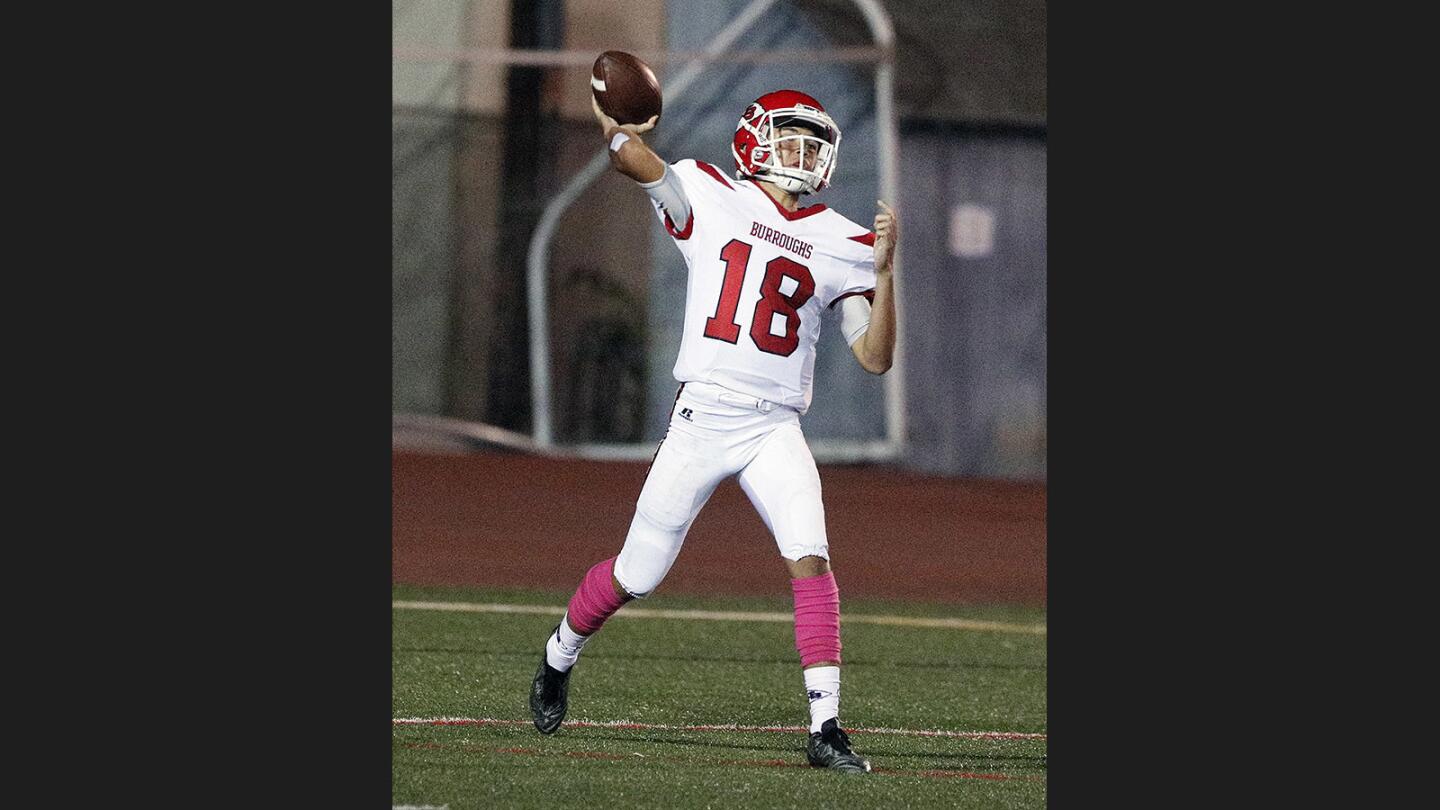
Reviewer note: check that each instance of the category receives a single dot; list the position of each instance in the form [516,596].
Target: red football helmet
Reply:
[757,137]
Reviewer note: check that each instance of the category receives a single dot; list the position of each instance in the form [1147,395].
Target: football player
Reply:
[762,268]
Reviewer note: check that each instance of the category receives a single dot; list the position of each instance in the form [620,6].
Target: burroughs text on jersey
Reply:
[784,240]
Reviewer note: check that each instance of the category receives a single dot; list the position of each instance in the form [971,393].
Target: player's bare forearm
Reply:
[633,158]
[636,160]
[876,348]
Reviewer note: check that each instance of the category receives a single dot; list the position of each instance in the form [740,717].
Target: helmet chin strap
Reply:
[794,185]
[781,185]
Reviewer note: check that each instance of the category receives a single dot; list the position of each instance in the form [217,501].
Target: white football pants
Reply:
[716,433]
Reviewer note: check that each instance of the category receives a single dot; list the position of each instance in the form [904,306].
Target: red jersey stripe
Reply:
[715,173]
[683,233]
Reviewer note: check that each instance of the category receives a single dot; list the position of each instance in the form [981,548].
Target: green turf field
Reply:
[662,675]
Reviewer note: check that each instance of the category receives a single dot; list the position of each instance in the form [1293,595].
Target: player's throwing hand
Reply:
[887,234]
[607,123]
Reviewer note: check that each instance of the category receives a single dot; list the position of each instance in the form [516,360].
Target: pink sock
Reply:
[595,600]
[817,618]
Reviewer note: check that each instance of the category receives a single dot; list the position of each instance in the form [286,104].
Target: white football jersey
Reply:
[759,278]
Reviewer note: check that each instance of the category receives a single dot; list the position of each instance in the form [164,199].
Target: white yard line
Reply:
[488,721]
[729,616]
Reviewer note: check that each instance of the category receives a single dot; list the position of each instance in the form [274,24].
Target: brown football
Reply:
[625,87]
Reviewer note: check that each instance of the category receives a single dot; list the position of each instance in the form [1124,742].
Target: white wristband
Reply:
[619,139]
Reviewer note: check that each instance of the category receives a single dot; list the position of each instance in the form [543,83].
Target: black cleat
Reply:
[830,748]
[549,696]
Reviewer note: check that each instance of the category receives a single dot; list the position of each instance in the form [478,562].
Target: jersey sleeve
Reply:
[860,276]
[679,231]
[672,204]
[700,190]
[854,317]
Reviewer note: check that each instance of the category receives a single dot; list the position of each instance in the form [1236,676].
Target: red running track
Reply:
[514,520]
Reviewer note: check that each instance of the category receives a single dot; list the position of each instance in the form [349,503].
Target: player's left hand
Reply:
[887,234]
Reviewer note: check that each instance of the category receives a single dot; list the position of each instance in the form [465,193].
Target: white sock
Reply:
[563,648]
[822,685]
